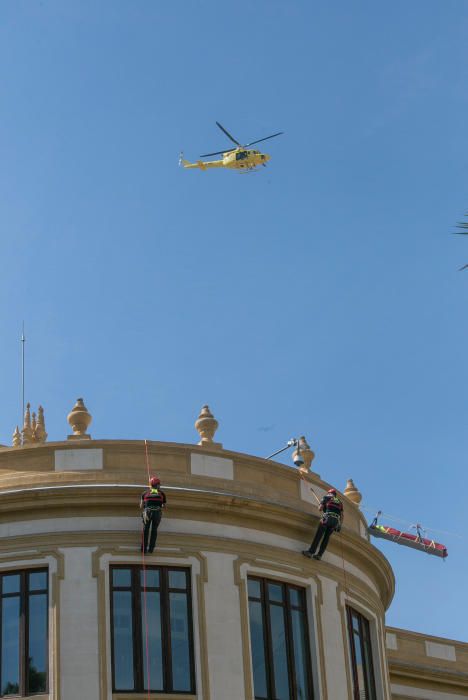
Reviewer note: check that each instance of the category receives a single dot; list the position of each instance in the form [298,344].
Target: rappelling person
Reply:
[152,501]
[332,508]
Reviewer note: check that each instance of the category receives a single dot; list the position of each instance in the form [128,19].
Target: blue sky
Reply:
[320,296]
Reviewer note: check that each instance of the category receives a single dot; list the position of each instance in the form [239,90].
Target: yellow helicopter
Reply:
[239,158]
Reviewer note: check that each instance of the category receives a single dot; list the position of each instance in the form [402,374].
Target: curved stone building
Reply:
[226,608]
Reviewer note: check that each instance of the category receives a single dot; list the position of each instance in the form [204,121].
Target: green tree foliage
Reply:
[36,680]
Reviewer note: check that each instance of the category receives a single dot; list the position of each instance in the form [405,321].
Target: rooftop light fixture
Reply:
[293,442]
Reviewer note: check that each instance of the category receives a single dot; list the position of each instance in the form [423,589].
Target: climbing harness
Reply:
[338,532]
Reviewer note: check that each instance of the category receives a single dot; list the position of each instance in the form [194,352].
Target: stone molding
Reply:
[209,506]
[411,665]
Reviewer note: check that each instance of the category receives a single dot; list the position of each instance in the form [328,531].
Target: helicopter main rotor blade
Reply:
[463,225]
[228,134]
[265,139]
[217,153]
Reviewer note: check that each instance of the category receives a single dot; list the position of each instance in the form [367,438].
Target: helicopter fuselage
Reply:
[238,159]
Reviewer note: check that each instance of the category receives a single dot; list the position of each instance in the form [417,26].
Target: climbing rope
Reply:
[148,674]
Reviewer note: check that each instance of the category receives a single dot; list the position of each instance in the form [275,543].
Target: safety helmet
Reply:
[333,491]
[155,481]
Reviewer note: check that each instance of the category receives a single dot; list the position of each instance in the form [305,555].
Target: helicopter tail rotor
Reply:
[185,163]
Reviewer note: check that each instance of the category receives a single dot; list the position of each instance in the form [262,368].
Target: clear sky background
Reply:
[320,296]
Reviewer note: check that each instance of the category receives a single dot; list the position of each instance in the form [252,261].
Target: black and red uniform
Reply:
[330,522]
[152,502]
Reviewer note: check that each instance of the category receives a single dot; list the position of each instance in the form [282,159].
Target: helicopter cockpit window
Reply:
[241,155]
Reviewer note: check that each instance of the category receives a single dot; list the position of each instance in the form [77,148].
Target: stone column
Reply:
[79,650]
[223,626]
[334,641]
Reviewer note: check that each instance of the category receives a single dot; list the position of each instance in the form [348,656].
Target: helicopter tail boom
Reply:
[202,165]
[186,164]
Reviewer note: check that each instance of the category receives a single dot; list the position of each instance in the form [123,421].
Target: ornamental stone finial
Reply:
[207,425]
[17,438]
[33,427]
[352,492]
[27,430]
[41,434]
[79,418]
[303,450]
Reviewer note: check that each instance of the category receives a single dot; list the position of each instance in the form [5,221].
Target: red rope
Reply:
[148,675]
[147,460]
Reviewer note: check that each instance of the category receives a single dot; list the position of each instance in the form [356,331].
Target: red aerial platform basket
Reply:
[408,540]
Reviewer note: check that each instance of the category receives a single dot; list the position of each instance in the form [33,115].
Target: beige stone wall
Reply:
[76,505]
[261,492]
[426,667]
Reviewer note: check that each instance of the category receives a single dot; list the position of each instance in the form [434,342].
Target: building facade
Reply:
[226,608]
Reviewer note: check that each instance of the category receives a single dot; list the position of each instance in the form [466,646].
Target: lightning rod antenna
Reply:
[23,340]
